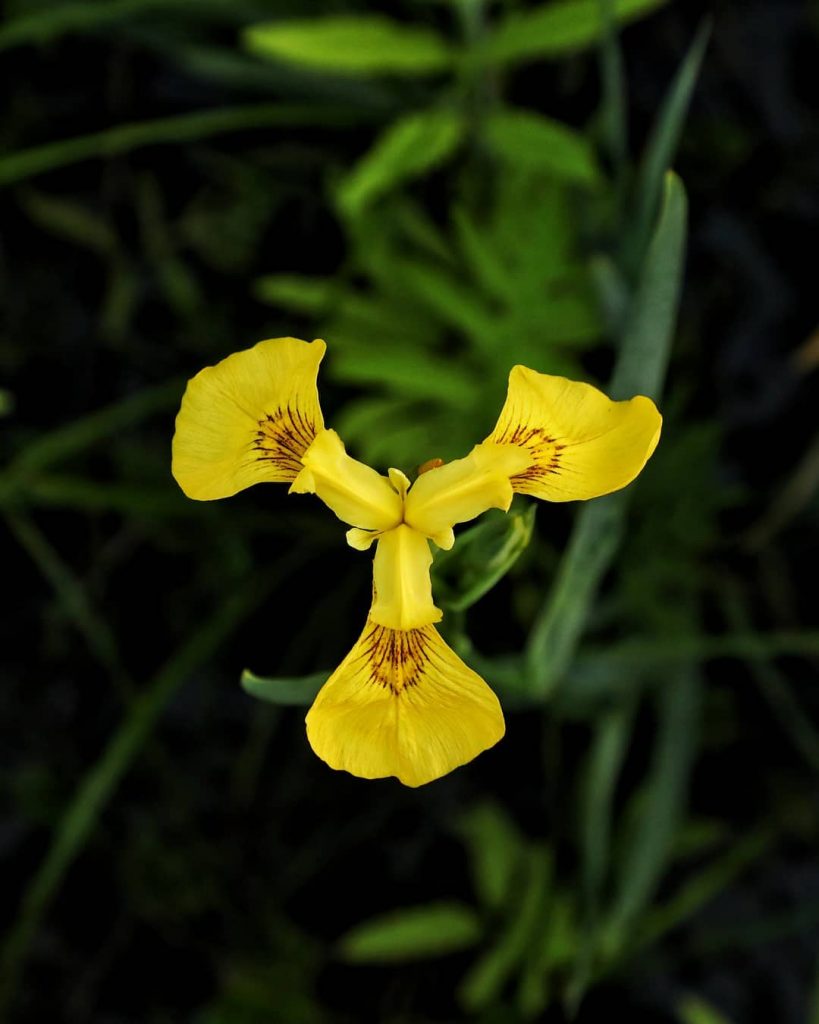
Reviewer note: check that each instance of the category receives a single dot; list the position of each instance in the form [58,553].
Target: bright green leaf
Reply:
[351,44]
[409,148]
[640,369]
[412,934]
[665,136]
[558,28]
[529,140]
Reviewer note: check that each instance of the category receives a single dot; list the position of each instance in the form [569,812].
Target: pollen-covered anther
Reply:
[425,467]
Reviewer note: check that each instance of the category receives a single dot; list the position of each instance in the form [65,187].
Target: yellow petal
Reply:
[403,592]
[402,703]
[248,419]
[357,494]
[458,491]
[578,443]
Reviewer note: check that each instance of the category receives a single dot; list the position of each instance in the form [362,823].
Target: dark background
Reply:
[211,864]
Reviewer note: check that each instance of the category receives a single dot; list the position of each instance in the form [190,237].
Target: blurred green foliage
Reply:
[465,232]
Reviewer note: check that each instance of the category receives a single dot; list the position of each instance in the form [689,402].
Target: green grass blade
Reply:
[606,756]
[182,128]
[652,841]
[613,108]
[55,20]
[665,137]
[80,434]
[490,972]
[72,598]
[640,369]
[99,784]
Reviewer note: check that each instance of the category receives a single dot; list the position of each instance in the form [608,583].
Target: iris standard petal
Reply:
[402,703]
[356,493]
[403,591]
[578,442]
[248,419]
[459,491]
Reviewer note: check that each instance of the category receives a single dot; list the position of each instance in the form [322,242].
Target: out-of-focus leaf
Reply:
[454,302]
[640,369]
[411,374]
[7,402]
[54,20]
[496,850]
[69,220]
[527,139]
[605,760]
[27,163]
[718,874]
[295,691]
[693,1010]
[557,28]
[408,149]
[310,295]
[552,949]
[489,973]
[665,136]
[351,44]
[650,844]
[483,258]
[74,437]
[412,934]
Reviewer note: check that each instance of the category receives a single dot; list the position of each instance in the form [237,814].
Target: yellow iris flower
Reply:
[402,702]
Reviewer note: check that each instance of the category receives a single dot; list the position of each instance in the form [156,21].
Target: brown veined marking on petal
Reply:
[283,437]
[545,450]
[394,658]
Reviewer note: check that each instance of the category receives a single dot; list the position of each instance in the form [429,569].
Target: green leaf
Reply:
[496,851]
[693,1010]
[408,149]
[351,44]
[70,220]
[605,761]
[54,20]
[410,373]
[295,691]
[416,933]
[557,28]
[487,976]
[665,136]
[310,295]
[640,369]
[660,817]
[529,140]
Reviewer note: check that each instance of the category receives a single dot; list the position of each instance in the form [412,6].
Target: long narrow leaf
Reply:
[640,369]
[665,135]
[201,124]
